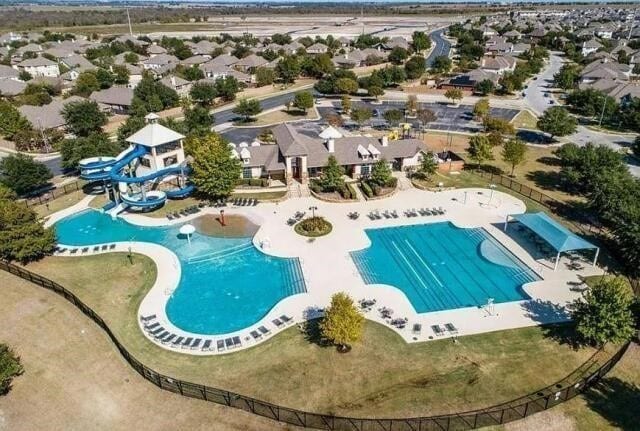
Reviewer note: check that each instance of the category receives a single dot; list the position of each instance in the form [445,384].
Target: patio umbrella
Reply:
[188,230]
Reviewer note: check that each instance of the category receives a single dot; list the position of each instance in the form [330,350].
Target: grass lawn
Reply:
[283,116]
[525,120]
[60,203]
[382,376]
[539,170]
[263,196]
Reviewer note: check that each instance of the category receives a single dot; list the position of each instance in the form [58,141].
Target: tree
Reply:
[342,323]
[227,87]
[86,83]
[265,76]
[11,121]
[288,69]
[131,58]
[360,115]
[481,109]
[567,77]
[635,147]
[104,77]
[393,116]
[428,166]
[197,120]
[454,94]
[154,95]
[381,173]
[203,93]
[375,91]
[604,314]
[415,67]
[480,149]
[193,73]
[94,145]
[128,128]
[426,116]
[557,122]
[411,104]
[22,174]
[331,178]
[420,41]
[22,236]
[83,117]
[441,64]
[514,152]
[345,102]
[484,87]
[120,74]
[398,55]
[303,100]
[500,125]
[345,86]
[247,108]
[215,170]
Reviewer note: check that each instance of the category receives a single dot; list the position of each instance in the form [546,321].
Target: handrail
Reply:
[516,409]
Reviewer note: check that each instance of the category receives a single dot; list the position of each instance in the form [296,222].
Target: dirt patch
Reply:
[235,226]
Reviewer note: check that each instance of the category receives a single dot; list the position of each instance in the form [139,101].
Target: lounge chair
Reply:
[96,248]
[156,331]
[228,342]
[220,345]
[236,341]
[206,346]
[450,327]
[112,247]
[186,343]
[442,210]
[437,329]
[147,318]
[74,250]
[169,216]
[176,215]
[84,250]
[263,330]
[105,247]
[196,343]
[255,202]
[169,338]
[278,323]
[417,328]
[163,334]
[255,335]
[152,326]
[286,319]
[178,341]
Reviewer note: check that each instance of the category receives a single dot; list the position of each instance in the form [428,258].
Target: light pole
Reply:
[313,211]
[604,105]
[492,187]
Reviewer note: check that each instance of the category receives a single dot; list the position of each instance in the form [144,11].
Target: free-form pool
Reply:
[226,284]
[441,267]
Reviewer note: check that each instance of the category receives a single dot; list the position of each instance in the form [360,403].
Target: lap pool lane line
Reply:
[427,295]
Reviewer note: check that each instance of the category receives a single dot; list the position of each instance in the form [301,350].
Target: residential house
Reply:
[590,46]
[39,66]
[181,86]
[225,60]
[7,72]
[116,100]
[155,49]
[498,65]
[317,48]
[160,63]
[604,69]
[469,80]
[11,87]
[250,63]
[48,116]
[195,60]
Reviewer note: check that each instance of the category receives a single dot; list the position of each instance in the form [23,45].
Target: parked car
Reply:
[551,102]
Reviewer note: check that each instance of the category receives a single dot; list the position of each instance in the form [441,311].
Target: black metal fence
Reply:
[53,193]
[577,382]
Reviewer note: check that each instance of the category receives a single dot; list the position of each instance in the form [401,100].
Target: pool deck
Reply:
[328,267]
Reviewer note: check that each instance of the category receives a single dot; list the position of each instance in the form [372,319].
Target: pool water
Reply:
[441,267]
[226,283]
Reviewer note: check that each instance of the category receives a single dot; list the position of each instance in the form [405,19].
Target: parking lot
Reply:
[450,118]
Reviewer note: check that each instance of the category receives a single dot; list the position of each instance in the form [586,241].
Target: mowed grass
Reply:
[382,376]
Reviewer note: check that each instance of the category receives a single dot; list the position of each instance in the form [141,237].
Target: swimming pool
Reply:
[226,283]
[439,266]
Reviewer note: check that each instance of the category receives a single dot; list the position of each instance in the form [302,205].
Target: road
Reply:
[54,162]
[442,46]
[536,101]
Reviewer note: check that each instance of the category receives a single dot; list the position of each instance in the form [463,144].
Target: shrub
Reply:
[366,189]
[377,190]
[9,368]
[313,226]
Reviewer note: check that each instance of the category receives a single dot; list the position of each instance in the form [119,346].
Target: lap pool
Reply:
[226,283]
[441,267]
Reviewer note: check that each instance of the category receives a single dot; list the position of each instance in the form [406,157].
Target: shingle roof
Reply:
[120,96]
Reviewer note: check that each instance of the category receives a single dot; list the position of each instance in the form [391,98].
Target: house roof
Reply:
[11,87]
[8,72]
[120,96]
[38,61]
[252,60]
[47,116]
[154,134]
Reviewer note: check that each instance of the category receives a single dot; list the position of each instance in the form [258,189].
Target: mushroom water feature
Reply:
[188,230]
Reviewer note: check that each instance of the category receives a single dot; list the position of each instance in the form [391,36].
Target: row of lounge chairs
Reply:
[448,328]
[193,209]
[245,202]
[85,250]
[353,215]
[155,330]
[424,212]
[377,215]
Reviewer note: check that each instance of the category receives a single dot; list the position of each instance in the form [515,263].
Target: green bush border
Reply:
[299,231]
